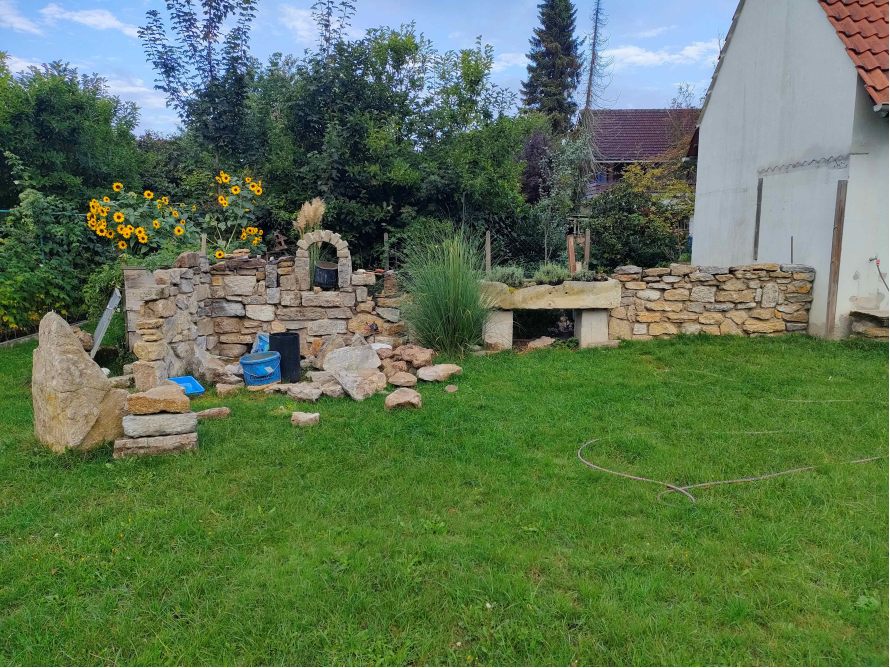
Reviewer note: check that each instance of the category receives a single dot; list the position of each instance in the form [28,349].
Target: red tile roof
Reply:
[863,27]
[630,135]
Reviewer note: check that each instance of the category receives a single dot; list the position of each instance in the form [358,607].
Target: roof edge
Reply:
[729,34]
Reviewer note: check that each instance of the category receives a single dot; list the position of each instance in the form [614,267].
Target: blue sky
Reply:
[655,43]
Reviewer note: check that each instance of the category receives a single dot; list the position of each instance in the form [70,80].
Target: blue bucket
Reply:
[261,368]
[261,344]
[190,385]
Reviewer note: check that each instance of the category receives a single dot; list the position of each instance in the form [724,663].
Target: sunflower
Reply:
[223,201]
[148,194]
[156,224]
[247,179]
[121,229]
[253,186]
[143,239]
[258,191]
[175,214]
[225,177]
[219,255]
[117,187]
[243,235]
[165,199]
[218,180]
[140,231]
[106,199]
[126,233]
[118,217]
[178,231]
[194,207]
[160,206]
[246,210]
[122,245]
[92,224]
[130,228]
[235,190]
[255,241]
[260,233]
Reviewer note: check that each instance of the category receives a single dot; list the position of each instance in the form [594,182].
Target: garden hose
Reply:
[683,488]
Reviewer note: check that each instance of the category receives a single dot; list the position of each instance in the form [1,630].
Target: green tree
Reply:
[69,137]
[555,70]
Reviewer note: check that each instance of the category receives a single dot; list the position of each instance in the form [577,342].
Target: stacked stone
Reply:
[763,299]
[160,422]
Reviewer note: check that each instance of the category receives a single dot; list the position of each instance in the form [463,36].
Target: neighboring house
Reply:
[623,137]
[792,143]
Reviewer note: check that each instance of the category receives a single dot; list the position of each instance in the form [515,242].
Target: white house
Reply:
[792,149]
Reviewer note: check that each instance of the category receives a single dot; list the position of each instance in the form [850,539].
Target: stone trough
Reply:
[590,302]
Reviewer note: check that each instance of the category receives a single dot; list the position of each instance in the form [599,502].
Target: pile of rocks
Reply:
[160,422]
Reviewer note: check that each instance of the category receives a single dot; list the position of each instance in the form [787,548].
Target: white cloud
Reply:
[655,32]
[16,65]
[299,22]
[506,60]
[11,18]
[99,19]
[697,53]
[134,89]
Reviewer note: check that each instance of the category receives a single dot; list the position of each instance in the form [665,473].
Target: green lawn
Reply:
[468,532]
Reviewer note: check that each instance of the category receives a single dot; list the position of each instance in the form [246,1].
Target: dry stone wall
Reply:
[749,300]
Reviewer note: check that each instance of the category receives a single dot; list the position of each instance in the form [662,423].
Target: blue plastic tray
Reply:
[191,385]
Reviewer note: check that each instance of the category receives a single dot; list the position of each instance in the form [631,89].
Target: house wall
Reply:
[782,109]
[866,220]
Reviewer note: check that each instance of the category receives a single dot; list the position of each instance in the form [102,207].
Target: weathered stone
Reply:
[392,367]
[628,269]
[85,338]
[351,359]
[225,390]
[321,299]
[682,269]
[150,351]
[684,316]
[801,327]
[541,342]
[645,316]
[568,295]
[296,313]
[797,316]
[797,268]
[75,405]
[377,378]
[236,338]
[416,355]
[438,372]
[669,279]
[218,413]
[657,271]
[187,259]
[790,308]
[160,424]
[649,295]
[326,347]
[690,328]
[735,295]
[388,302]
[366,278]
[719,307]
[798,297]
[663,306]
[763,326]
[403,379]
[695,307]
[702,293]
[391,314]
[261,312]
[357,387]
[635,285]
[619,329]
[763,266]
[304,392]
[658,328]
[738,317]
[341,312]
[746,305]
[762,313]
[711,318]
[728,327]
[497,334]
[326,327]
[300,419]
[121,381]
[162,399]
[403,398]
[734,284]
[220,309]
[640,328]
[700,276]
[803,276]
[155,445]
[239,285]
[364,323]
[332,389]
[147,375]
[714,270]
[451,388]
[679,294]
[801,287]
[231,350]
[710,329]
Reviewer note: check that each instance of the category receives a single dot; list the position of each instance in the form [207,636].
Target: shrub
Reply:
[447,310]
[589,275]
[551,274]
[510,274]
[100,286]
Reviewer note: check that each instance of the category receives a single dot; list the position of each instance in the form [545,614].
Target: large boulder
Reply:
[76,407]
[351,359]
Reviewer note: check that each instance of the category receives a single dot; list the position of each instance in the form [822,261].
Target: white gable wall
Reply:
[784,96]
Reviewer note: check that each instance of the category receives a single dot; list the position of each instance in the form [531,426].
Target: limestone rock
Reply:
[147,375]
[75,405]
[299,419]
[220,412]
[392,367]
[356,387]
[225,390]
[403,398]
[332,344]
[85,338]
[160,424]
[150,351]
[542,342]
[156,445]
[363,323]
[451,388]
[121,381]
[163,399]
[415,355]
[763,326]
[331,388]
[403,379]
[351,359]
[438,372]
[304,392]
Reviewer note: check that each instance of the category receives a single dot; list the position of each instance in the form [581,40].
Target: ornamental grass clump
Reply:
[446,310]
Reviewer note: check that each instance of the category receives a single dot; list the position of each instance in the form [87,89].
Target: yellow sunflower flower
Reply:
[117,187]
[235,190]
[140,231]
[247,179]
[224,201]
[260,233]
[194,207]
[122,244]
[221,199]
[253,186]
[243,235]
[251,230]
[225,178]
[106,199]
[218,180]
[219,255]
[175,214]
[165,200]
[160,206]
[130,228]
[121,229]
[256,240]
[258,191]
[126,234]
[156,224]
[118,217]
[178,231]
[148,194]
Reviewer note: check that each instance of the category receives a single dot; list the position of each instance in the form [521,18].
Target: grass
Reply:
[468,532]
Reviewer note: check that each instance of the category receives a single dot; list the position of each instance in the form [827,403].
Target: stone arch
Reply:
[344,259]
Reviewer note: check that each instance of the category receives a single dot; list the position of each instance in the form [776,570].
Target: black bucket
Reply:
[287,344]
[325,275]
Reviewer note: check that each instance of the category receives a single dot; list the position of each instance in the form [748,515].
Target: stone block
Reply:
[222,309]
[273,295]
[676,295]
[711,318]
[390,314]
[695,307]
[147,375]
[659,328]
[365,278]
[324,299]
[161,424]
[763,326]
[300,419]
[326,327]
[628,269]
[304,313]
[239,285]
[661,306]
[702,293]
[649,295]
[156,445]
[646,316]
[591,326]
[165,398]
[682,269]
[734,295]
[261,312]
[498,331]
[620,329]
[231,350]
[336,313]
[657,271]
[640,328]
[150,351]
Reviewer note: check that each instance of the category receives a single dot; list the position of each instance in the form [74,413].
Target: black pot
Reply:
[287,344]
[325,275]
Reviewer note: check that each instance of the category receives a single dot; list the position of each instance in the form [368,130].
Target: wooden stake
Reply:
[487,251]
[386,251]
[586,250]
[570,240]
[203,244]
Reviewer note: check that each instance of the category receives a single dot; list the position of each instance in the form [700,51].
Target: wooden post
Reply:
[586,250]
[837,238]
[487,251]
[203,244]
[570,240]
[757,218]
[386,251]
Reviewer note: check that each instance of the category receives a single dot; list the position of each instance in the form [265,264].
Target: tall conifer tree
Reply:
[555,70]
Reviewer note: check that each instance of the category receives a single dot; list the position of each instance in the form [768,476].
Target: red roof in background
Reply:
[863,28]
[630,135]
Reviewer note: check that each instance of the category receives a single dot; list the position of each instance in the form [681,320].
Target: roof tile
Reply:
[628,135]
[863,27]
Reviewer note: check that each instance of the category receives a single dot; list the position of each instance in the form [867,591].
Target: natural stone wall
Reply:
[748,300]
[197,308]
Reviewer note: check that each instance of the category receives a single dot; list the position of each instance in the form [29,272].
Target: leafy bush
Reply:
[447,310]
[510,274]
[551,274]
[100,286]
[588,275]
